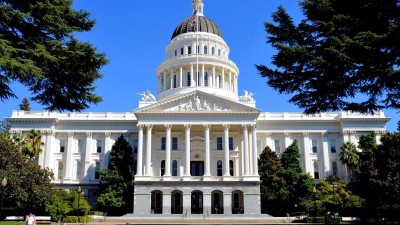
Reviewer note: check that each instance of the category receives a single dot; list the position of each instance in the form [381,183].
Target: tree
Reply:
[340,51]
[116,194]
[25,105]
[272,183]
[34,143]
[28,186]
[38,49]
[298,185]
[65,203]
[349,156]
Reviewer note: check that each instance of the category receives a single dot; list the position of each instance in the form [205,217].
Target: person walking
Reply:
[30,219]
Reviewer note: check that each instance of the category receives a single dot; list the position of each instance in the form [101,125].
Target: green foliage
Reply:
[342,49]
[38,49]
[25,105]
[33,143]
[28,186]
[116,193]
[65,203]
[349,156]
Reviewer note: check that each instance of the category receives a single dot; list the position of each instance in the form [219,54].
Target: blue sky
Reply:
[134,35]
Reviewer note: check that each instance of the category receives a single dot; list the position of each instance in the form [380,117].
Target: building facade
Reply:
[197,143]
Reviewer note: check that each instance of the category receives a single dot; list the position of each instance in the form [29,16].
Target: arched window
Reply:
[162,167]
[205,50]
[198,50]
[189,50]
[219,168]
[189,80]
[198,79]
[174,81]
[176,52]
[334,169]
[205,79]
[219,81]
[78,174]
[181,51]
[212,51]
[231,167]
[156,202]
[174,168]
[316,170]
[237,202]
[219,52]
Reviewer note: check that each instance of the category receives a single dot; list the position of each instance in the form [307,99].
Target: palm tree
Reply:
[19,141]
[349,156]
[34,143]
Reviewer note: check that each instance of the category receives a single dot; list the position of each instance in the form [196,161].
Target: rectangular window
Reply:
[97,170]
[99,145]
[81,145]
[181,51]
[62,145]
[174,143]
[314,144]
[163,143]
[78,170]
[219,143]
[277,145]
[333,145]
[135,145]
[258,145]
[60,170]
[230,143]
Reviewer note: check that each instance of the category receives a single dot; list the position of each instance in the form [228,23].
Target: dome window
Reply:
[176,52]
[205,50]
[174,81]
[212,51]
[189,50]
[189,83]
[219,81]
[181,51]
[219,52]
[205,79]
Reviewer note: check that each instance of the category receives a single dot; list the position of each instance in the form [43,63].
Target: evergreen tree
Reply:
[38,49]
[299,185]
[116,194]
[340,50]
[272,182]
[25,105]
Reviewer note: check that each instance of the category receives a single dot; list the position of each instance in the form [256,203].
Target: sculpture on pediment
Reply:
[196,105]
[247,97]
[147,97]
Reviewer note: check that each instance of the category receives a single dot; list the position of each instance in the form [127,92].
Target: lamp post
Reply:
[315,199]
[79,197]
[3,185]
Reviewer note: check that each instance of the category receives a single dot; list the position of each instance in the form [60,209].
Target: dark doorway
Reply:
[156,202]
[197,168]
[197,202]
[217,202]
[176,202]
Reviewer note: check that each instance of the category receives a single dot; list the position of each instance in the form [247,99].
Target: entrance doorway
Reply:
[217,202]
[176,202]
[197,168]
[156,202]
[197,202]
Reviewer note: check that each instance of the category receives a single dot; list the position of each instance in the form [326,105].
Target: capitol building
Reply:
[196,141]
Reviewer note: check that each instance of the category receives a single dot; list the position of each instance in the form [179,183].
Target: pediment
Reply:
[196,102]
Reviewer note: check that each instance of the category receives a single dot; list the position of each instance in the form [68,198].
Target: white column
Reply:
[159,84]
[202,75]
[288,141]
[236,84]
[68,161]
[268,140]
[230,81]
[325,155]
[255,155]
[86,171]
[168,151]
[226,150]
[139,169]
[213,77]
[50,149]
[245,150]
[306,146]
[171,78]
[148,150]
[180,76]
[223,78]
[191,76]
[165,81]
[207,137]
[107,149]
[187,150]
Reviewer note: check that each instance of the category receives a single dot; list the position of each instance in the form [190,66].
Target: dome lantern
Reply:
[198,7]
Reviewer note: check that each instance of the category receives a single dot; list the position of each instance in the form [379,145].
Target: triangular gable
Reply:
[196,101]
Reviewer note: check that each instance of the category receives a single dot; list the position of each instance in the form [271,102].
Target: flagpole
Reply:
[197,51]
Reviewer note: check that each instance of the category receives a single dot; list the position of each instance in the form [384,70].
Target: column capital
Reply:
[70,134]
[168,126]
[89,134]
[245,126]
[253,127]
[140,126]
[226,126]
[306,134]
[107,134]
[207,126]
[187,126]
[268,134]
[287,134]
[149,127]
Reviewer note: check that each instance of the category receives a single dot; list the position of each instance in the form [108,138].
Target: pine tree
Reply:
[116,194]
[25,105]
[340,50]
[38,49]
